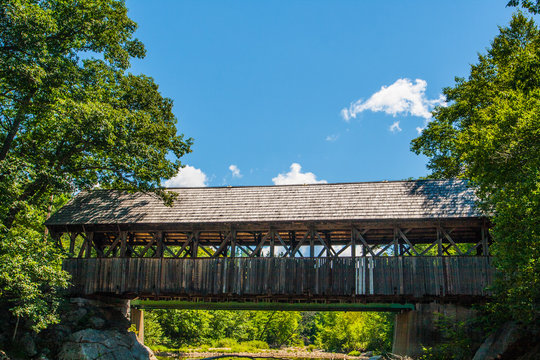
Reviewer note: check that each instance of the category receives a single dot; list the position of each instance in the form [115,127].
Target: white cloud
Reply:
[235,171]
[345,114]
[296,176]
[188,176]
[404,97]
[332,137]
[395,127]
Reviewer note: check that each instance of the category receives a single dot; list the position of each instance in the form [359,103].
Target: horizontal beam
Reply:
[264,305]
[282,226]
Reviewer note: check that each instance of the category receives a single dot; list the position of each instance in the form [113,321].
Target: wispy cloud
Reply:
[395,127]
[188,176]
[235,171]
[403,97]
[296,176]
[332,137]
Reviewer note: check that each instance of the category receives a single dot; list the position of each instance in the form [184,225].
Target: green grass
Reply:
[222,345]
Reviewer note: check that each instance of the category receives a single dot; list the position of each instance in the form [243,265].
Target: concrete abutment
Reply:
[415,329]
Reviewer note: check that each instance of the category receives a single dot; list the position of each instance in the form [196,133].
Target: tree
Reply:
[72,118]
[490,134]
[349,331]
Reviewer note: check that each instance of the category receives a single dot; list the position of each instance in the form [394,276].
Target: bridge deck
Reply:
[341,279]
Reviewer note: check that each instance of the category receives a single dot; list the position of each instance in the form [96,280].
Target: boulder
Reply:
[76,315]
[498,342]
[28,345]
[96,322]
[91,344]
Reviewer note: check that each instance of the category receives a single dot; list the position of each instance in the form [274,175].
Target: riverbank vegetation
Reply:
[248,331]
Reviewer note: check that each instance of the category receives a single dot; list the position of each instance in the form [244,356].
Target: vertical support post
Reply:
[353,244]
[159,244]
[123,243]
[396,242]
[259,239]
[89,240]
[292,239]
[130,238]
[194,244]
[233,243]
[328,241]
[137,319]
[312,244]
[72,238]
[439,242]
[272,244]
[485,246]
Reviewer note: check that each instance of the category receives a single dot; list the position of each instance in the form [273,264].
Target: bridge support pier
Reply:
[417,328]
[137,319]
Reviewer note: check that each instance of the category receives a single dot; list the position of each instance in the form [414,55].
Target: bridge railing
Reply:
[383,278]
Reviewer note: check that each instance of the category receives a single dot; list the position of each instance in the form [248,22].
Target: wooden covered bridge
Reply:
[373,242]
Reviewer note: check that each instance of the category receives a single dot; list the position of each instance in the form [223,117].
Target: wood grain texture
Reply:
[391,278]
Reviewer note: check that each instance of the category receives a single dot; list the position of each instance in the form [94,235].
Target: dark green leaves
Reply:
[71,118]
[490,134]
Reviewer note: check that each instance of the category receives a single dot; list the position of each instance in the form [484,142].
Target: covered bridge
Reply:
[392,241]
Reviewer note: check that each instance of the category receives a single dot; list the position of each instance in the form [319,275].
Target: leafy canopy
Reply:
[490,134]
[71,118]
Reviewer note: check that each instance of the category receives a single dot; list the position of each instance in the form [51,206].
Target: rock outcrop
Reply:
[92,344]
[498,342]
[88,330]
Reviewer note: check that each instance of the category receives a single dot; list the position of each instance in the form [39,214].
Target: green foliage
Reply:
[456,340]
[249,328]
[153,333]
[532,6]
[490,134]
[349,331]
[277,328]
[185,327]
[71,118]
[249,331]
[29,272]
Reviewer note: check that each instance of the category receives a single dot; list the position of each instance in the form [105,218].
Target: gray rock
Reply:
[96,322]
[91,344]
[376,357]
[28,346]
[498,342]
[368,354]
[76,315]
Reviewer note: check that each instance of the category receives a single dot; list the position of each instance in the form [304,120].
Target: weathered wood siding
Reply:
[296,278]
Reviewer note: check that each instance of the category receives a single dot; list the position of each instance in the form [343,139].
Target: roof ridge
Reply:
[316,184]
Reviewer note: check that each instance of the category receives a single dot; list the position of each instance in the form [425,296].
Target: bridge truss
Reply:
[280,240]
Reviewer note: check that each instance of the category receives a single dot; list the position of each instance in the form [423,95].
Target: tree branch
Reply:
[21,113]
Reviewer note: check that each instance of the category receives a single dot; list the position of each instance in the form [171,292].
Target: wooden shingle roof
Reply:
[368,201]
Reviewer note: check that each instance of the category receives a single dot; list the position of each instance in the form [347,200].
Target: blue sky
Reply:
[290,91]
